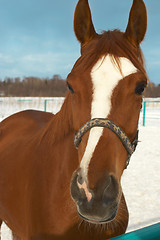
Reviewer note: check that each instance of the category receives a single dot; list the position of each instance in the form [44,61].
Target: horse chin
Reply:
[94,221]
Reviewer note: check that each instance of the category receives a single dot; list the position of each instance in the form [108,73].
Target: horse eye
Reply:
[70,88]
[140,88]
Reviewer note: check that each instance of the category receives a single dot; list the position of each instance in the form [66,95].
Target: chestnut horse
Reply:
[52,190]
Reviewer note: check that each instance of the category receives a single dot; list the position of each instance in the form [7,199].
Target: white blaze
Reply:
[105,77]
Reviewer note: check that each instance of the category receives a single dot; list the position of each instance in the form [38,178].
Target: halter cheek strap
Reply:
[102,122]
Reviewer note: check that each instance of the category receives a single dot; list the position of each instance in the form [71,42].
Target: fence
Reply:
[11,105]
[150,114]
[148,233]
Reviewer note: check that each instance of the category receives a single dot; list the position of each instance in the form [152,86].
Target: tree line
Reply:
[33,87]
[48,87]
[152,90]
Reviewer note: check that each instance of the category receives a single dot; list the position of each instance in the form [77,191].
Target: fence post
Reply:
[45,105]
[144,113]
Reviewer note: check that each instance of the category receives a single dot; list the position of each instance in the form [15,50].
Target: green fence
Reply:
[29,100]
[148,233]
[144,109]
[45,103]
[25,100]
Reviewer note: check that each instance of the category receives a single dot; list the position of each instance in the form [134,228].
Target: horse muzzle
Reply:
[98,205]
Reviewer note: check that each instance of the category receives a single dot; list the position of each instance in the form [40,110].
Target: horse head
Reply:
[106,82]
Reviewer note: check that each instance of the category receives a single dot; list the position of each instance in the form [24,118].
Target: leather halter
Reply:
[102,122]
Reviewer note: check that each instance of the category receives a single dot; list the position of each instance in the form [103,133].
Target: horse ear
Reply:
[137,24]
[83,26]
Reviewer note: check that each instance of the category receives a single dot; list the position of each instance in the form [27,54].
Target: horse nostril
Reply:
[79,189]
[111,190]
[79,179]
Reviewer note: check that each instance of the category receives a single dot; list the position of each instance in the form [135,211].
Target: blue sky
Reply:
[37,38]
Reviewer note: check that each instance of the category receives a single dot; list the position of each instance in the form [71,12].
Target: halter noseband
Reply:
[102,122]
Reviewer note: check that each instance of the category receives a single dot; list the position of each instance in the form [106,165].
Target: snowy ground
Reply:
[141,181]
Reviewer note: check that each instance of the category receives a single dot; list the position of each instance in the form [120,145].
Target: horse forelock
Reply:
[113,43]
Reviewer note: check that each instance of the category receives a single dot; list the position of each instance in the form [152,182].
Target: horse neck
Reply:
[60,124]
[57,144]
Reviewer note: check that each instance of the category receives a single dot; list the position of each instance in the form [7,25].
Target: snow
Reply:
[140,181]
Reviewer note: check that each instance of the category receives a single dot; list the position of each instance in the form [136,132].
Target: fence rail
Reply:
[148,233]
